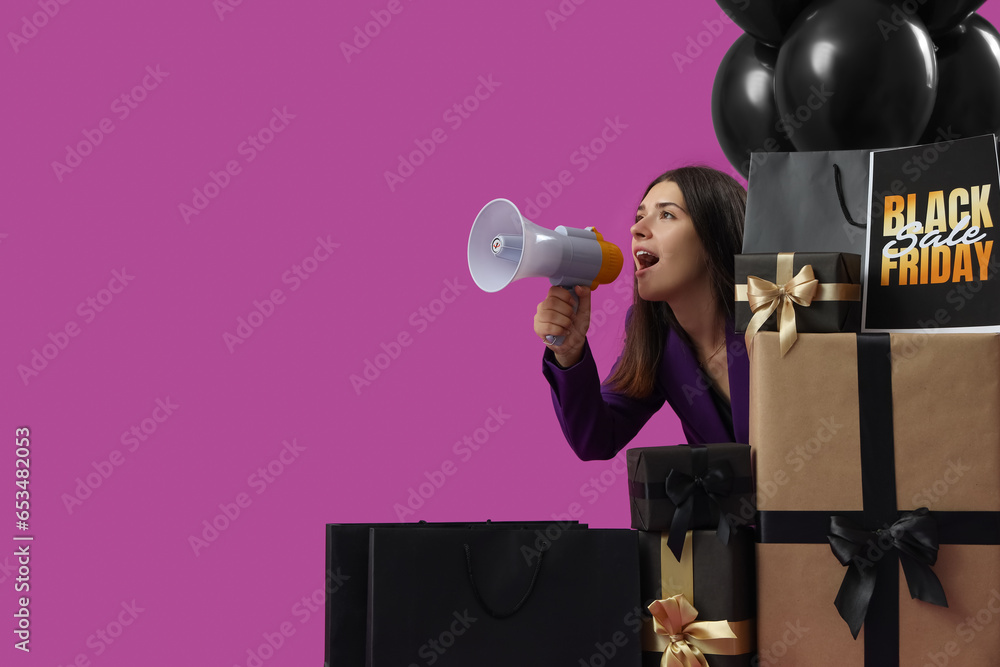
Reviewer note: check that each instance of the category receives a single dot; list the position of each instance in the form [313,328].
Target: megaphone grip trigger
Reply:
[556,341]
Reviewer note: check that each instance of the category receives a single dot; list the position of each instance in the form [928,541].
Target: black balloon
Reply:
[851,76]
[765,20]
[940,16]
[743,110]
[968,101]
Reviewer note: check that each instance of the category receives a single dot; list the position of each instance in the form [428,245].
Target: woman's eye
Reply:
[664,213]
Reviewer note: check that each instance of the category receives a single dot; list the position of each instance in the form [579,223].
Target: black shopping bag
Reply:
[347,581]
[807,202]
[496,598]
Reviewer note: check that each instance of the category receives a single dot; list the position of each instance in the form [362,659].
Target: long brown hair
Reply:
[716,203]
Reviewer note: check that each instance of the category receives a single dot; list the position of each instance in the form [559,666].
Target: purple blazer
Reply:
[597,421]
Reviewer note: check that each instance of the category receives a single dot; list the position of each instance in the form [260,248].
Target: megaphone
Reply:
[504,246]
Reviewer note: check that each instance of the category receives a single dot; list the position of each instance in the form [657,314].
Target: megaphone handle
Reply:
[558,340]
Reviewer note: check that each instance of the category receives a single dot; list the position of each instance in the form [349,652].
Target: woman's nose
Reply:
[639,229]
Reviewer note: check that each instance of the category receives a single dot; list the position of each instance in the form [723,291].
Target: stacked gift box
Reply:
[692,506]
[877,450]
[877,494]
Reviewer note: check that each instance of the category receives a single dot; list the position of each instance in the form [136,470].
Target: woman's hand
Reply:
[555,317]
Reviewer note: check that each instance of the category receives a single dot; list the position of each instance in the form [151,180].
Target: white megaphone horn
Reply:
[504,246]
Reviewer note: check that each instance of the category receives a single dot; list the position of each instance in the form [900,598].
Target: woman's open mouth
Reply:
[645,259]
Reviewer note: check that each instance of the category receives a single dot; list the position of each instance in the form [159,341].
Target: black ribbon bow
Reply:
[687,492]
[914,536]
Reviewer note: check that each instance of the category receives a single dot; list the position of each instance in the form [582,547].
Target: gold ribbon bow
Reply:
[674,618]
[765,297]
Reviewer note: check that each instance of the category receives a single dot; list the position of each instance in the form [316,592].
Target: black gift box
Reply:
[709,481]
[347,551]
[718,579]
[503,597]
[829,312]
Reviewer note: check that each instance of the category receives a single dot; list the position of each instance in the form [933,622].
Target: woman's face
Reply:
[668,254]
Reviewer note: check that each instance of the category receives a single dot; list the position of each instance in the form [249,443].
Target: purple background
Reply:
[363,448]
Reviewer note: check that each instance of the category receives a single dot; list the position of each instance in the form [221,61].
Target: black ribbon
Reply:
[690,493]
[813,527]
[914,536]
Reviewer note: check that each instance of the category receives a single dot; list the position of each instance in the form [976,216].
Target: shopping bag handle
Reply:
[479,596]
[840,196]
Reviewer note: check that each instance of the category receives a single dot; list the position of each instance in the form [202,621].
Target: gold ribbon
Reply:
[677,581]
[801,289]
[674,618]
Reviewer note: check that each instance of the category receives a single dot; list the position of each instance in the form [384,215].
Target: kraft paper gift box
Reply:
[681,487]
[801,292]
[716,579]
[852,435]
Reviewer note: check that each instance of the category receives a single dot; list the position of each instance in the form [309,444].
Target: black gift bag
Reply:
[496,598]
[807,202]
[347,581]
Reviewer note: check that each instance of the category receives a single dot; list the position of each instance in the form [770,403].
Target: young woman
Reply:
[680,344]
